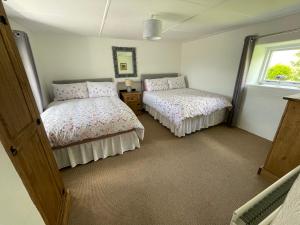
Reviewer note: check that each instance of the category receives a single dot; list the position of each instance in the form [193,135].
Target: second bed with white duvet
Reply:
[186,110]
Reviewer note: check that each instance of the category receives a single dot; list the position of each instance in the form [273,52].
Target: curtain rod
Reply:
[278,33]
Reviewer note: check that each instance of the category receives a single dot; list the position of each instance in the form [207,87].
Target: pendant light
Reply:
[152,29]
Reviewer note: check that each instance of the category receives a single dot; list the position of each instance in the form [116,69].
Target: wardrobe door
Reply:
[22,133]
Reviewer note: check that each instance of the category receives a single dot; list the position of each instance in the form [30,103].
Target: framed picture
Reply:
[124,61]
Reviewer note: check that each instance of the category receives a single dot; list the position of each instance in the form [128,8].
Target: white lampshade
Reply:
[128,83]
[152,29]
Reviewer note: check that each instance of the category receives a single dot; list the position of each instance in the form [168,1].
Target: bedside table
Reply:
[133,100]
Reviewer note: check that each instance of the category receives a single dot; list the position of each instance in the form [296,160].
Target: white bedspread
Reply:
[76,120]
[180,104]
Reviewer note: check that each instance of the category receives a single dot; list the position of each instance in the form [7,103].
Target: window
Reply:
[282,66]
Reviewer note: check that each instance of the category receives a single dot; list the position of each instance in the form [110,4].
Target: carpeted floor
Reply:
[198,179]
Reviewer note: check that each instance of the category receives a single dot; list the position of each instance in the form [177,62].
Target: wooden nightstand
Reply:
[133,100]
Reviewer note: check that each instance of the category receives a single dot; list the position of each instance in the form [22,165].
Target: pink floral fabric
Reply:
[179,104]
[156,84]
[101,89]
[72,121]
[69,91]
[176,82]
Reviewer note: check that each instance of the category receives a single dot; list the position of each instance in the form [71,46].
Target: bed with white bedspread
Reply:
[86,129]
[183,110]
[77,120]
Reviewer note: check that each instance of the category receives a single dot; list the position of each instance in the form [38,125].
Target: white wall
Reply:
[16,206]
[76,57]
[262,110]
[211,64]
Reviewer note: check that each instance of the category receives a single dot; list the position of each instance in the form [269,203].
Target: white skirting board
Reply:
[95,150]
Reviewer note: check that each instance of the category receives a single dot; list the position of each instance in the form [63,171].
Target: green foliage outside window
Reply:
[279,70]
[285,72]
[296,68]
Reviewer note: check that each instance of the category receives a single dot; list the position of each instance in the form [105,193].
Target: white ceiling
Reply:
[182,19]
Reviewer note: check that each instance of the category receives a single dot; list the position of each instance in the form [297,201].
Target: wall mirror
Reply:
[124,62]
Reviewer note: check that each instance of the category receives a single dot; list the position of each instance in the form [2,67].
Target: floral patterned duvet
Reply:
[179,104]
[76,120]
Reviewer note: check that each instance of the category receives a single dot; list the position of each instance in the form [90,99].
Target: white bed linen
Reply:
[189,125]
[76,120]
[180,104]
[95,150]
[186,110]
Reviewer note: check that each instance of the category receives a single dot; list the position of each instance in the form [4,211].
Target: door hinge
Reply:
[3,20]
[13,151]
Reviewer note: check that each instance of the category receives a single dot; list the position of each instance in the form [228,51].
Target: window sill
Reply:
[275,86]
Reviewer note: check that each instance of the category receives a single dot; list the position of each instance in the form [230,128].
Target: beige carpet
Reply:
[198,179]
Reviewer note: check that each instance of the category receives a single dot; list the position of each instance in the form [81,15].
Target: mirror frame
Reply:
[116,49]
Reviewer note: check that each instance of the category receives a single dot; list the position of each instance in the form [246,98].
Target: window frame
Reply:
[263,71]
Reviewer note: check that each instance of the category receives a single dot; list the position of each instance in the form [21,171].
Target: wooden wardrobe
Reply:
[23,136]
[284,154]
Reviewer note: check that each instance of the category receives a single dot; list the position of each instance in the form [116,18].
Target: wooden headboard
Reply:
[82,80]
[155,76]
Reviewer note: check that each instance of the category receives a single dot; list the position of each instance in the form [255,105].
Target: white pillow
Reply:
[156,84]
[70,91]
[102,89]
[176,82]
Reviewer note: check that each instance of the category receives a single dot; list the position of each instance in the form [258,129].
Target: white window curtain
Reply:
[25,51]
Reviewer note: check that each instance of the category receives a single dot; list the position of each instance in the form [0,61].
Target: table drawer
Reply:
[135,105]
[131,98]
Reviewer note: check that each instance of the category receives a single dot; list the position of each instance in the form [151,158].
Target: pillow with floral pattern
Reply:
[102,89]
[70,91]
[156,84]
[176,82]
